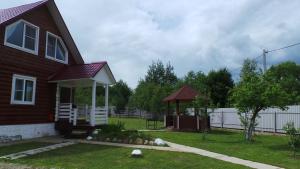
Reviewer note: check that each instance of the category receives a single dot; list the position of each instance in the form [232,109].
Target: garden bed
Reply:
[115,133]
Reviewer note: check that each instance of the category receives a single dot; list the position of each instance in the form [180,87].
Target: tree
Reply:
[255,93]
[294,135]
[287,74]
[158,82]
[196,80]
[119,95]
[161,75]
[219,84]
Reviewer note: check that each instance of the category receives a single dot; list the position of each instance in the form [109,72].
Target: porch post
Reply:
[106,101]
[57,97]
[93,110]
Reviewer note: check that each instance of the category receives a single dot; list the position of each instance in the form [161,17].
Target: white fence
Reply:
[270,120]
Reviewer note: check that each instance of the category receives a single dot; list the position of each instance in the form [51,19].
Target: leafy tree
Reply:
[294,135]
[119,95]
[157,84]
[219,84]
[255,93]
[196,80]
[161,75]
[287,74]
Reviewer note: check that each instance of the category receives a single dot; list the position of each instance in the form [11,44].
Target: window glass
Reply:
[28,90]
[56,48]
[19,85]
[23,90]
[15,34]
[60,52]
[51,46]
[30,37]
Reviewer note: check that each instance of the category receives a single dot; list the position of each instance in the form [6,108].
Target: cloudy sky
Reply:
[197,35]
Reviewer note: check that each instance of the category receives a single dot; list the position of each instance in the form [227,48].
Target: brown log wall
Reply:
[188,123]
[13,61]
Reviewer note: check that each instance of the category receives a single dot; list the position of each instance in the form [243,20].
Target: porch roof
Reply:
[94,71]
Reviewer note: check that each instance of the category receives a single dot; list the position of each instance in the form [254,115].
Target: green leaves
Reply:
[256,92]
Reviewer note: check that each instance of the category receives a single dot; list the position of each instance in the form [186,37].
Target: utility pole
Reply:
[265,59]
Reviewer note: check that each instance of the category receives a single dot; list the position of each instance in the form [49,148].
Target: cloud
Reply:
[197,35]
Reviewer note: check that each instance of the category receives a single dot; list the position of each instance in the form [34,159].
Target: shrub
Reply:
[111,128]
[294,136]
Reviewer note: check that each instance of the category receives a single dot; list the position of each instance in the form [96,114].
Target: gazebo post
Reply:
[168,112]
[177,107]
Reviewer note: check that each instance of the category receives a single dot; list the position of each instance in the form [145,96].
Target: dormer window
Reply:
[22,35]
[56,49]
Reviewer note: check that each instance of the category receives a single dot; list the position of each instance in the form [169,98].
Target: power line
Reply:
[273,50]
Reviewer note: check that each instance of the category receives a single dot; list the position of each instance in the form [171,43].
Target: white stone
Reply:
[159,142]
[137,153]
[95,132]
[89,138]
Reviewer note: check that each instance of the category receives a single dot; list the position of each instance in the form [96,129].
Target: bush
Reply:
[111,128]
[294,135]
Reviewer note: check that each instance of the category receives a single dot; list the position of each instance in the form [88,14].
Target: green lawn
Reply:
[85,156]
[266,149]
[133,123]
[5,150]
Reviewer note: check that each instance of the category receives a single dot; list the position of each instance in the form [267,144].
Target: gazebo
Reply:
[184,94]
[180,121]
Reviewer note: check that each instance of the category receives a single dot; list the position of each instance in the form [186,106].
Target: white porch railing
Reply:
[83,113]
[101,116]
[68,113]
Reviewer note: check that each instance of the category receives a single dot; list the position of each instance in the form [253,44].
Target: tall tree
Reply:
[255,93]
[219,84]
[158,82]
[287,74]
[119,95]
[161,75]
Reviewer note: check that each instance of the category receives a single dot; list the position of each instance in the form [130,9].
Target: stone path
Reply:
[14,166]
[186,149]
[36,151]
[222,157]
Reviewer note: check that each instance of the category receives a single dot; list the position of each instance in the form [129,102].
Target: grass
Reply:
[133,123]
[103,157]
[10,149]
[268,149]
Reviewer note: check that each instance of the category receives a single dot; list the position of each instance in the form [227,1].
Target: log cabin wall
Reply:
[13,61]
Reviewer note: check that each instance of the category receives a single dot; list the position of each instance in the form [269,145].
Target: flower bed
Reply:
[115,133]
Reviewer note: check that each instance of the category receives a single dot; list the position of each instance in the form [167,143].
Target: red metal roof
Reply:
[186,93]
[81,71]
[10,13]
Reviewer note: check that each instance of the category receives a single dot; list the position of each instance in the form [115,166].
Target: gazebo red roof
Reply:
[185,93]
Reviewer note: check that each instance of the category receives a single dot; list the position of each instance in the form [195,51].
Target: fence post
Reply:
[275,122]
[222,119]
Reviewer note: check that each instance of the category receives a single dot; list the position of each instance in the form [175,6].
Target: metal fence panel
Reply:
[270,120]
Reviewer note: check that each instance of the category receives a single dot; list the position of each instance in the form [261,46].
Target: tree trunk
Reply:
[251,127]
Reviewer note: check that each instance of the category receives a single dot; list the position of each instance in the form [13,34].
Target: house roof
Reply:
[185,93]
[82,71]
[11,13]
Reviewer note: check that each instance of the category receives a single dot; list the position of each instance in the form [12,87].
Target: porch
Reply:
[70,115]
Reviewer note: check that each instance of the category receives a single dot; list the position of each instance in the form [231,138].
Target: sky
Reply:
[198,35]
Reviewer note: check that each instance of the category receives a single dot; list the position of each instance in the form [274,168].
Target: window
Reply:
[56,49]
[23,90]
[22,35]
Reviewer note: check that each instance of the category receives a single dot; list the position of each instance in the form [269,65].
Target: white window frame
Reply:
[63,45]
[28,78]
[36,51]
